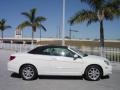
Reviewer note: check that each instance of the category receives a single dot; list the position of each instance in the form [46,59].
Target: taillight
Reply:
[12,58]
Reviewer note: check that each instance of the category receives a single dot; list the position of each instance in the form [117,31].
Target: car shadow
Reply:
[105,77]
[15,75]
[56,77]
[60,77]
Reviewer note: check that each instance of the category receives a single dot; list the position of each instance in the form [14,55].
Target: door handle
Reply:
[54,59]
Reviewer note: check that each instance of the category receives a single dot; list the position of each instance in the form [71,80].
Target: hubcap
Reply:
[28,72]
[94,73]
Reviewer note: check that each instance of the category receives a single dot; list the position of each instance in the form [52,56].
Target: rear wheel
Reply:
[93,73]
[28,72]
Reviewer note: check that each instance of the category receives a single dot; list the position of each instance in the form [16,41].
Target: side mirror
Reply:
[75,56]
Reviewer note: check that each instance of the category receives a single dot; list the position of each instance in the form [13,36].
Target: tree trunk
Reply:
[101,39]
[32,37]
[40,34]
[101,35]
[2,35]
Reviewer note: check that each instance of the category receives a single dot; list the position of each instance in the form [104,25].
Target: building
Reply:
[18,33]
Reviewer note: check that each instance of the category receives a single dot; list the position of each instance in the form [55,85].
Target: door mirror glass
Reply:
[75,56]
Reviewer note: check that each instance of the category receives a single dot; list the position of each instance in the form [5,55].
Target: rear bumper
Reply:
[12,68]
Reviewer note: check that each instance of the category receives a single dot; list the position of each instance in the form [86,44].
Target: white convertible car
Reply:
[58,60]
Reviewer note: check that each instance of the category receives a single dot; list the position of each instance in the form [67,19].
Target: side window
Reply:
[57,52]
[68,53]
[61,52]
[46,51]
[50,51]
[53,51]
[35,51]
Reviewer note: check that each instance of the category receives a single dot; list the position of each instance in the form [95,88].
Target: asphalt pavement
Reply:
[11,81]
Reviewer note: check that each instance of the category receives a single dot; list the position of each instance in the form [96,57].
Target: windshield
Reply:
[78,51]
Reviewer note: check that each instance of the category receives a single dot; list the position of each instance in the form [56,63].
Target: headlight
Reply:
[107,62]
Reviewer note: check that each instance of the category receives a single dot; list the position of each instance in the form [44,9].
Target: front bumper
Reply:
[107,70]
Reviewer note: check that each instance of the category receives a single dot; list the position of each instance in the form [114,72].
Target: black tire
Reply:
[93,73]
[28,72]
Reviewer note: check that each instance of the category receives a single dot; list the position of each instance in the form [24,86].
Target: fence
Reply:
[112,54]
[17,47]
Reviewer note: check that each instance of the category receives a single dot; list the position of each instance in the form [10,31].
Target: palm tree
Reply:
[42,27]
[3,27]
[33,21]
[100,10]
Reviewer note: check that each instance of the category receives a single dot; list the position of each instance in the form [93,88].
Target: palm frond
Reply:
[81,16]
[27,15]
[115,4]
[108,15]
[43,27]
[40,19]
[94,4]
[93,20]
[3,25]
[3,21]
[112,9]
[24,25]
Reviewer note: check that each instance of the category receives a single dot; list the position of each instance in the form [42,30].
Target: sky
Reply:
[52,10]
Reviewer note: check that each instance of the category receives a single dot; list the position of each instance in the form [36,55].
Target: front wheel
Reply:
[93,73]
[28,72]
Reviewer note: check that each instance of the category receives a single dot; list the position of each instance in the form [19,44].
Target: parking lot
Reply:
[11,81]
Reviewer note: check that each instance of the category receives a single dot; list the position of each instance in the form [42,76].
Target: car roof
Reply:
[39,48]
[53,46]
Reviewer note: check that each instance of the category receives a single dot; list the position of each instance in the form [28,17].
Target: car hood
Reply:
[94,58]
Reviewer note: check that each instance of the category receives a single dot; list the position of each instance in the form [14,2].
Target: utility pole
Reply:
[63,24]
[59,33]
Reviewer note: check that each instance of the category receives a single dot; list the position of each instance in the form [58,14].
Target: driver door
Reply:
[64,62]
